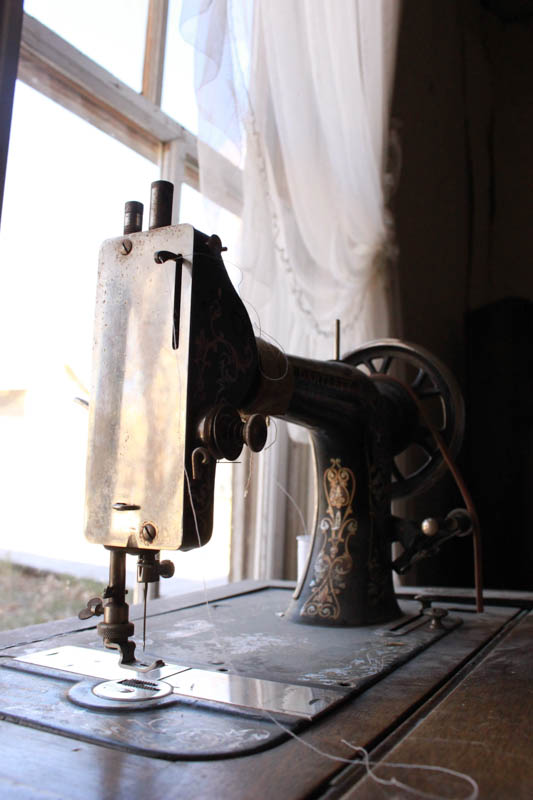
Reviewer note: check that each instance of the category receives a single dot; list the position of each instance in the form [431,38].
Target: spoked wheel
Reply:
[420,464]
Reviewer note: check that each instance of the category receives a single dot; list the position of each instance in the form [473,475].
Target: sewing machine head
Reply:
[180,381]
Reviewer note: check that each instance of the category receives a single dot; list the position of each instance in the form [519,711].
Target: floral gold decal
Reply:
[217,360]
[334,561]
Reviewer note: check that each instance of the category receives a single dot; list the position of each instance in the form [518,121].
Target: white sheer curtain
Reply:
[298,92]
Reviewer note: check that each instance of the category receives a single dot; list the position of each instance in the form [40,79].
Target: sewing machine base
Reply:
[118,755]
[231,650]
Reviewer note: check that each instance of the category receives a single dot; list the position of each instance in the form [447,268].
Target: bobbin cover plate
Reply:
[138,403]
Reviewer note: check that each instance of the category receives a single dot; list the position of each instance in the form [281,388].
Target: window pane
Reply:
[112,33]
[65,192]
[178,98]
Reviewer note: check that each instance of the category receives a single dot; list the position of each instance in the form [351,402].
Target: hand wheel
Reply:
[420,464]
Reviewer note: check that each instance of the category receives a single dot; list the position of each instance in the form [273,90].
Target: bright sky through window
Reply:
[65,191]
[111,32]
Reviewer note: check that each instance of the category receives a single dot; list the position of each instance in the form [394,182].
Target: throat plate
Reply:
[128,685]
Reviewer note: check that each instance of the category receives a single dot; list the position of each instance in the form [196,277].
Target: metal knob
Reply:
[94,608]
[227,433]
[166,569]
[215,245]
[460,522]
[150,569]
[222,432]
[255,432]
[430,526]
[437,615]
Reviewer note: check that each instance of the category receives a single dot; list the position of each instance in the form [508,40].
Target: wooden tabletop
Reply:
[463,704]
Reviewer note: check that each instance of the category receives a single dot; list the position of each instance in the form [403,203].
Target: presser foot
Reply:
[127,658]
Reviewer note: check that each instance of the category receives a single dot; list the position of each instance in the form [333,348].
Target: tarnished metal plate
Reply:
[138,399]
[255,694]
[253,640]
[132,691]
[218,687]
[183,730]
[93,663]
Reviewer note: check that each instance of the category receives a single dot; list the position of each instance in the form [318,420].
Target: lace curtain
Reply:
[297,93]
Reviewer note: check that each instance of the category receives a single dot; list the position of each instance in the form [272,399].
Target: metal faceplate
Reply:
[138,404]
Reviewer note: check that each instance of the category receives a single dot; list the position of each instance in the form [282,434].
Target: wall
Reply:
[463,103]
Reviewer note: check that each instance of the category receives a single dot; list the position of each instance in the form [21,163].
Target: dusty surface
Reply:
[29,595]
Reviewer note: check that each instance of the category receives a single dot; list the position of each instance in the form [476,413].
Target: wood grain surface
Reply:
[483,729]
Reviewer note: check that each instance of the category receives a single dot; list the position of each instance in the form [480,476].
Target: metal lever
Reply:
[421,541]
[457,523]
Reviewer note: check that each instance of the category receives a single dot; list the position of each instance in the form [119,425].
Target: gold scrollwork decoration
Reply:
[334,561]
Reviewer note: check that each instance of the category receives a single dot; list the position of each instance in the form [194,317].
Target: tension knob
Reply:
[224,433]
[227,433]
[255,432]
[221,432]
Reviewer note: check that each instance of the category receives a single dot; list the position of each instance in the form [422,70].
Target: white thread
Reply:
[275,439]
[295,504]
[241,271]
[262,334]
[258,325]
[284,354]
[206,599]
[248,480]
[393,782]
[399,765]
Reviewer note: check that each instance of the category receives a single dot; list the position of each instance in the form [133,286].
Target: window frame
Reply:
[39,57]
[54,67]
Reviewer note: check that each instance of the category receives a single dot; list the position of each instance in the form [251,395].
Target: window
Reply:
[111,34]
[83,141]
[52,228]
[178,97]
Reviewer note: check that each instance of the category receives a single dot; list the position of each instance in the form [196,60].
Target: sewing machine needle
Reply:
[144,614]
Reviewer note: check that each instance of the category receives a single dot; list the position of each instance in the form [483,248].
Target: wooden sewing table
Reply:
[464,703]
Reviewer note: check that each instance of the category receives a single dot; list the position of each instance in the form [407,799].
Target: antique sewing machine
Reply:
[181,381]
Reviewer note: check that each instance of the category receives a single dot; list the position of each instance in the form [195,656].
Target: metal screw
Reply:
[148,532]
[126,246]
[430,526]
